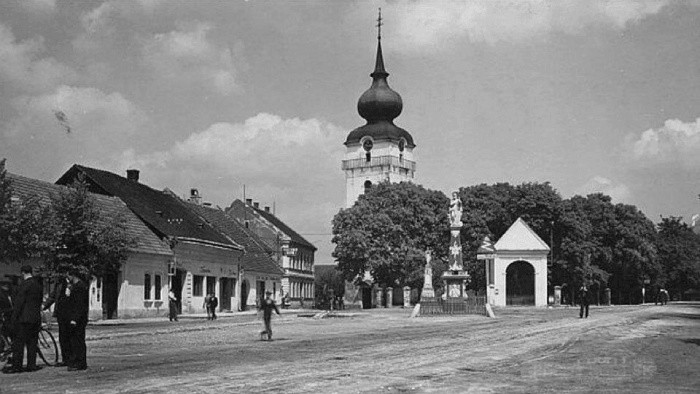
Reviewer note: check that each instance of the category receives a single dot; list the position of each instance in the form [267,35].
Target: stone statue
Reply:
[455,210]
[428,274]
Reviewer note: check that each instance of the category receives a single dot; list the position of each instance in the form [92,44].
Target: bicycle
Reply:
[47,349]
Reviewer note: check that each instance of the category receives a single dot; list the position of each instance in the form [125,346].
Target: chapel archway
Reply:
[520,283]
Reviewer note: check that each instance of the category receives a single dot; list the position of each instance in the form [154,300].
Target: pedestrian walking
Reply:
[267,305]
[663,296]
[26,320]
[58,298]
[584,300]
[172,304]
[206,306]
[77,306]
[213,304]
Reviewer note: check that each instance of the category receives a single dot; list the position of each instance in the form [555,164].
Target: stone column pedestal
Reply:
[406,297]
[557,295]
[607,297]
[379,297]
[389,296]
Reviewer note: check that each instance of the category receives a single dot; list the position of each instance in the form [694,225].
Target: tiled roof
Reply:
[275,221]
[160,210]
[257,254]
[111,207]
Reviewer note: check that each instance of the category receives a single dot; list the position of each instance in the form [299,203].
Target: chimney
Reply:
[132,175]
[256,205]
[267,209]
[195,198]
[248,201]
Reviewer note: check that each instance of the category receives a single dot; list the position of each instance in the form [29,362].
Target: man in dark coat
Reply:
[213,304]
[77,306]
[583,297]
[58,298]
[26,318]
[267,305]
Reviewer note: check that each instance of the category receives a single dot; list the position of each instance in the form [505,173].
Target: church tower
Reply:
[378,151]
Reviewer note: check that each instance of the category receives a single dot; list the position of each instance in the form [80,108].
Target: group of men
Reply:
[71,303]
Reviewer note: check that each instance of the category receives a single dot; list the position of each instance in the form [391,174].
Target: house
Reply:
[140,288]
[204,261]
[258,264]
[294,254]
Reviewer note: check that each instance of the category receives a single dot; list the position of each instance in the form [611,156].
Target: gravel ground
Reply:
[531,350]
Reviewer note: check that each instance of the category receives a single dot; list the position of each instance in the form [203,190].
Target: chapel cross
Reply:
[379,24]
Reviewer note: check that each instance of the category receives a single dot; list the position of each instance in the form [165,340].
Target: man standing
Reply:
[77,306]
[172,303]
[58,298]
[206,305]
[267,306]
[584,300]
[26,317]
[213,304]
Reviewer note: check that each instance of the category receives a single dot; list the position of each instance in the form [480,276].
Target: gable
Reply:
[520,237]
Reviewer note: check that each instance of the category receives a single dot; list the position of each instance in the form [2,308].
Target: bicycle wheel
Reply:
[47,350]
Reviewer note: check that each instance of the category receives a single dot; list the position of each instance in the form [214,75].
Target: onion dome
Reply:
[379,105]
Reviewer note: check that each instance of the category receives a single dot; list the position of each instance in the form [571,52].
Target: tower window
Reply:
[368,185]
[368,156]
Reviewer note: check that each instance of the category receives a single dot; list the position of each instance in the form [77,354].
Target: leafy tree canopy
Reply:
[387,232]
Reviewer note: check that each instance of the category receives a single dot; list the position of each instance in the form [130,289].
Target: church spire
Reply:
[379,71]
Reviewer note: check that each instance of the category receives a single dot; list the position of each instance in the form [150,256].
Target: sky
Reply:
[591,96]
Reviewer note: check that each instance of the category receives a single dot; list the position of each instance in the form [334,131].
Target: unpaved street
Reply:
[618,349]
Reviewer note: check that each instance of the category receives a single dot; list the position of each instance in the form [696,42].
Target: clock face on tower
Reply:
[367,145]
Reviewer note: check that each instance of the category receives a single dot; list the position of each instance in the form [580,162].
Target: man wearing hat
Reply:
[267,306]
[26,317]
[77,308]
[59,298]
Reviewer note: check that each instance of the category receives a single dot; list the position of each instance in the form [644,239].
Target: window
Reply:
[368,185]
[211,284]
[197,285]
[158,286]
[147,287]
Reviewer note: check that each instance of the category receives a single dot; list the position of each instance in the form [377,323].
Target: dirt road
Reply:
[617,349]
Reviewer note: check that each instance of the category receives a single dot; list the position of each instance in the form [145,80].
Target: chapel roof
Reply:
[520,237]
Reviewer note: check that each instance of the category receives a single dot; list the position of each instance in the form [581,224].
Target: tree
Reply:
[84,238]
[679,256]
[387,232]
[23,230]
[489,210]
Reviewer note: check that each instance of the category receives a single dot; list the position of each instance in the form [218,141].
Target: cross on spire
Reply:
[379,25]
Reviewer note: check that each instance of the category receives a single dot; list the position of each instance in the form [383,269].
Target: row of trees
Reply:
[593,241]
[66,232]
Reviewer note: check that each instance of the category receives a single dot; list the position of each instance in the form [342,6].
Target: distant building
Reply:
[259,269]
[204,260]
[294,254]
[140,288]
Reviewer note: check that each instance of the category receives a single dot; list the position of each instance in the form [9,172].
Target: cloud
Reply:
[40,6]
[432,24]
[619,193]
[99,123]
[188,56]
[22,66]
[677,143]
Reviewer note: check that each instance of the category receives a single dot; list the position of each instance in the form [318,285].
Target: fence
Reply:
[454,306]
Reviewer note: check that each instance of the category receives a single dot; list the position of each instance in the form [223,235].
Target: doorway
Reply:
[176,287]
[225,293]
[520,283]
[244,294]
[110,295]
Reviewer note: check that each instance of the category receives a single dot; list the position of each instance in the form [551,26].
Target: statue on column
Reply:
[455,210]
